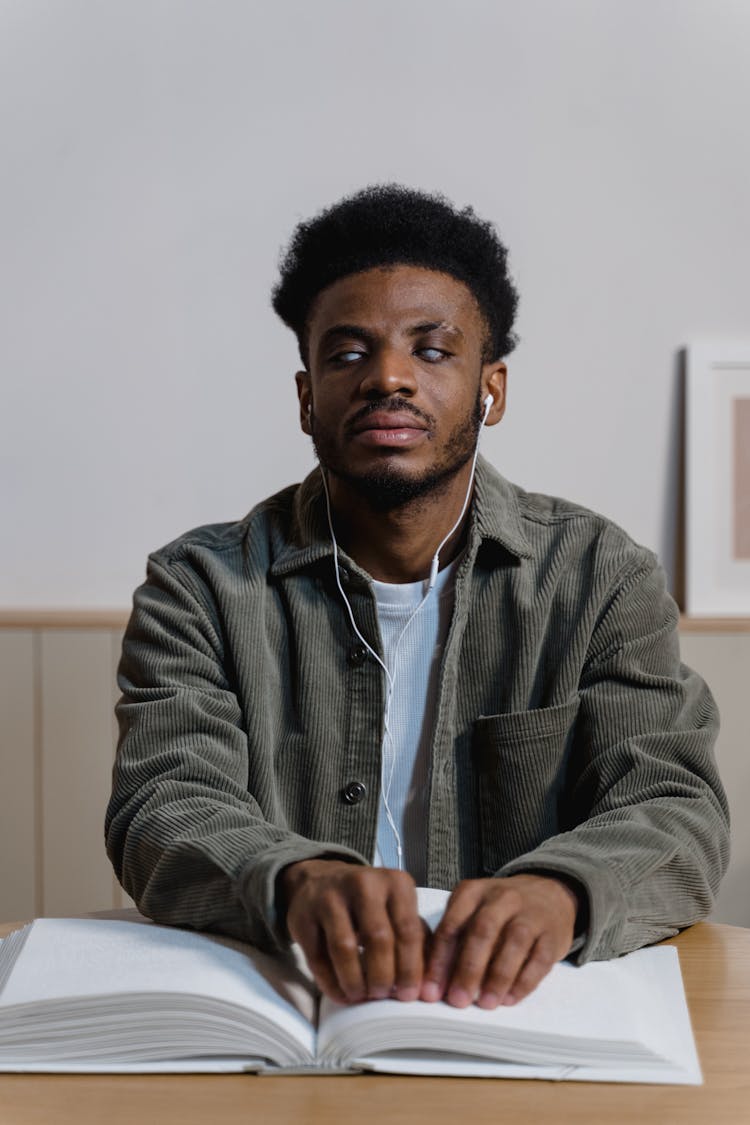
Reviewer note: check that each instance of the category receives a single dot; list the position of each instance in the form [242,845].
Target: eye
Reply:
[347,357]
[433,355]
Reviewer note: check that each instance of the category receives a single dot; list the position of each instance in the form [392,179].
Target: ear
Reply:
[304,394]
[494,380]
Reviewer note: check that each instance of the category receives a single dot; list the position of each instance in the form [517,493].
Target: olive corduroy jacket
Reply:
[568,737]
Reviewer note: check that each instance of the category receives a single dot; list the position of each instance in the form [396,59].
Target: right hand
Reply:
[358,928]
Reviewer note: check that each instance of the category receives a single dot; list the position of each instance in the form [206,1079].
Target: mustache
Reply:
[388,406]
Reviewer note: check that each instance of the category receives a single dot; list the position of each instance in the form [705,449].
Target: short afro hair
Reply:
[388,225]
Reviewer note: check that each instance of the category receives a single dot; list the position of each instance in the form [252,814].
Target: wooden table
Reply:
[716,967]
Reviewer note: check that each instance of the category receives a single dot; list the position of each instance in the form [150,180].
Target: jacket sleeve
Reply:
[187,840]
[649,840]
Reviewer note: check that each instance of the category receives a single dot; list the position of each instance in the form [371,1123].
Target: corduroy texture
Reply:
[568,737]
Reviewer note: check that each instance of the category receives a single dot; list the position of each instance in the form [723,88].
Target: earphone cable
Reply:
[386,780]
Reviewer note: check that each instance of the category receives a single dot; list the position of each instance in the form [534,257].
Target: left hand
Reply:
[498,938]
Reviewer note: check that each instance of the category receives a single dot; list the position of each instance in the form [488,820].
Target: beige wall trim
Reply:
[714,624]
[118,619]
[64,618]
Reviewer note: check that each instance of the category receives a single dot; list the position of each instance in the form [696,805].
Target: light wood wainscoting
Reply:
[57,739]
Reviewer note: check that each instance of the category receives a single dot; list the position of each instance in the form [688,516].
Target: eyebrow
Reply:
[351,330]
[357,332]
[435,325]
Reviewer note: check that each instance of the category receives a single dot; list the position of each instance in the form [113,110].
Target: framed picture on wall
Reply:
[717,485]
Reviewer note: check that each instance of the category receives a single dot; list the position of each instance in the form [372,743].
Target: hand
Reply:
[358,928]
[498,938]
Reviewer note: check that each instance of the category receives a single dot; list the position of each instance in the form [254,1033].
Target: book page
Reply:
[661,1015]
[92,960]
[431,904]
[589,1006]
[626,1017]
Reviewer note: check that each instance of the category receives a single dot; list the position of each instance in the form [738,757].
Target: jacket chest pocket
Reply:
[521,761]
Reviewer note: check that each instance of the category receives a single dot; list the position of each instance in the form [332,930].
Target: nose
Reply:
[389,372]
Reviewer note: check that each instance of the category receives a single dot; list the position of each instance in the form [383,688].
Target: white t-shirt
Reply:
[414,664]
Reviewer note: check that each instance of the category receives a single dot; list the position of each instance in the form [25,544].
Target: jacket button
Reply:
[357,655]
[354,792]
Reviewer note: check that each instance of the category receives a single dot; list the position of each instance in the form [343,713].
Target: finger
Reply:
[378,942]
[537,965]
[477,947]
[410,933]
[513,950]
[461,905]
[316,953]
[342,950]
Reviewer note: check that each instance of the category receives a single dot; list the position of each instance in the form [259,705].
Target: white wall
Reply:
[155,154]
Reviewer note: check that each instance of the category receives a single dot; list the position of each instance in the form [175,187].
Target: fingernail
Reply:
[407,994]
[459,997]
[378,994]
[510,1000]
[488,1000]
[430,991]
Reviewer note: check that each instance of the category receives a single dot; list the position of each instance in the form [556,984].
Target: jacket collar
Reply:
[494,516]
[495,512]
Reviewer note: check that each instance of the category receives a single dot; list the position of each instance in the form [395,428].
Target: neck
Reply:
[399,545]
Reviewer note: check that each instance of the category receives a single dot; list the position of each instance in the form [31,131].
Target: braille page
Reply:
[623,1020]
[104,967]
[619,1020]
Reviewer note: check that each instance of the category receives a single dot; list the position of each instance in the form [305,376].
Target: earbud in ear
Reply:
[488,403]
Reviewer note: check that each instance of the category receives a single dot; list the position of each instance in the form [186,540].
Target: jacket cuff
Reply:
[606,901]
[256,885]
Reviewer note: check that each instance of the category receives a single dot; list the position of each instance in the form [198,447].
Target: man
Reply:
[401,671]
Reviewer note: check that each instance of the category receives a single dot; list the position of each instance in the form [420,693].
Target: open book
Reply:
[93,995]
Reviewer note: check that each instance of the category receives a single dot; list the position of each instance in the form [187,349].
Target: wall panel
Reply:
[57,738]
[18,776]
[76,736]
[724,661]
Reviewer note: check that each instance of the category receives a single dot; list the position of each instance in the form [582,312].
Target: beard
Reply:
[390,487]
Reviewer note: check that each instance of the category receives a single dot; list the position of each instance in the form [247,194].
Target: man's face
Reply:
[396,381]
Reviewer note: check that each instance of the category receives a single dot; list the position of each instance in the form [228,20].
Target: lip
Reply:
[389,422]
[385,429]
